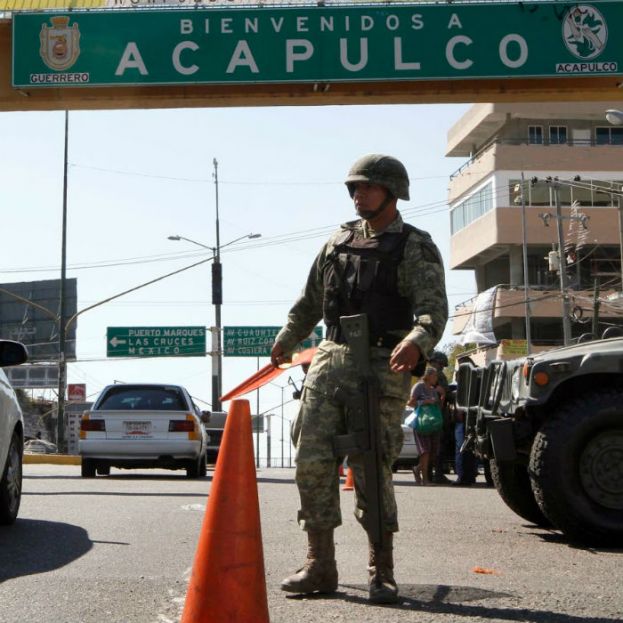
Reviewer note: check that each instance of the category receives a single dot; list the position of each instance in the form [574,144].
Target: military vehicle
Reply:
[551,425]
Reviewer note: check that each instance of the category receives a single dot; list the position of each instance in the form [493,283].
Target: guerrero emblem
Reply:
[60,44]
[584,31]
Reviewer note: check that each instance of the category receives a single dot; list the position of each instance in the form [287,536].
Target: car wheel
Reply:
[203,466]
[576,468]
[513,484]
[192,469]
[11,483]
[103,470]
[87,468]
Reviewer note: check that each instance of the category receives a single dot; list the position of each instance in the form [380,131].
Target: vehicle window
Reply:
[143,399]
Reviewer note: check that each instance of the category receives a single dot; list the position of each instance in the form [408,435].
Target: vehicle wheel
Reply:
[87,469]
[513,484]
[203,466]
[103,470]
[193,469]
[576,468]
[11,483]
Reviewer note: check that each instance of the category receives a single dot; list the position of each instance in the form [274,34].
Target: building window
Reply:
[535,134]
[471,208]
[609,136]
[557,135]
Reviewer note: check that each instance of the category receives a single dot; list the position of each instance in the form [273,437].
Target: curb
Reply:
[55,459]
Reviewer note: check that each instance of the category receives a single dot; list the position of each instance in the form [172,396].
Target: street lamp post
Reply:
[217,300]
[62,361]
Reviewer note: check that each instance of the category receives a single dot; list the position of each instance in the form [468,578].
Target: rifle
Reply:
[362,423]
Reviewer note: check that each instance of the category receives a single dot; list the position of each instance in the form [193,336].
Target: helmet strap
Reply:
[388,199]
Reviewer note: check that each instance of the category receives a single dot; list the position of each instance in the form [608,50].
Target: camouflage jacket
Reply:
[420,279]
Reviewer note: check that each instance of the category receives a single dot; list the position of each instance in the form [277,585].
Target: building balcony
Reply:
[494,233]
[517,154]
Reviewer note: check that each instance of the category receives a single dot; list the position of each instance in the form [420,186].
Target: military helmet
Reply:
[439,357]
[380,169]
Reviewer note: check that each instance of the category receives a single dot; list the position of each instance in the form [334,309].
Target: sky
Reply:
[137,177]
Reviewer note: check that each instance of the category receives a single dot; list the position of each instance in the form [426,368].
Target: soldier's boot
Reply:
[319,573]
[382,587]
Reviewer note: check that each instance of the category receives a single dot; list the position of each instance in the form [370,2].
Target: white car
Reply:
[11,435]
[409,456]
[40,446]
[134,425]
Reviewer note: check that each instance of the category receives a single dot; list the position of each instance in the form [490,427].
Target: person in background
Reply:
[465,464]
[380,266]
[439,361]
[425,392]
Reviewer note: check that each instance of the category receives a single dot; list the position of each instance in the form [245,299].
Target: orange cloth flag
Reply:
[267,374]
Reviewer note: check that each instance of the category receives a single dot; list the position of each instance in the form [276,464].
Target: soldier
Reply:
[393,272]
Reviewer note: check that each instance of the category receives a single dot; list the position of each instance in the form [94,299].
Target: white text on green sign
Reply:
[155,341]
[258,341]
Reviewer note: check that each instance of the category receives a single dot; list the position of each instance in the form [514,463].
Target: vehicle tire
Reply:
[513,484]
[103,470]
[87,468]
[203,466]
[193,470]
[576,468]
[11,483]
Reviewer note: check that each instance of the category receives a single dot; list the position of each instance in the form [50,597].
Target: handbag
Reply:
[427,419]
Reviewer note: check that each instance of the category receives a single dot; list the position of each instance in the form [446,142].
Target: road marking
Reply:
[193,507]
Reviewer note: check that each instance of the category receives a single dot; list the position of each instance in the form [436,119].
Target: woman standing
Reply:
[424,392]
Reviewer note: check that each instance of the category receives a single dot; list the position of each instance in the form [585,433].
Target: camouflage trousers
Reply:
[319,420]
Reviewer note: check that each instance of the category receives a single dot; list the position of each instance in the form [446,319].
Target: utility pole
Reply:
[566,321]
[62,329]
[525,264]
[217,301]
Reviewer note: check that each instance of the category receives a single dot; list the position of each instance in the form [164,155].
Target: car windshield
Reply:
[143,399]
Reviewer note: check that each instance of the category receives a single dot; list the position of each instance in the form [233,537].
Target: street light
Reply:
[217,300]
[614,116]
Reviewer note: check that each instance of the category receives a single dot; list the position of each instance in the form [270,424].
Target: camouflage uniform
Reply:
[421,281]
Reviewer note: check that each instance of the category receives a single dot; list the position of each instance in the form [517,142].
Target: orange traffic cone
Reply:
[228,582]
[348,485]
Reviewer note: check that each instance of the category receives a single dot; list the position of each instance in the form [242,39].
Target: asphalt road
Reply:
[119,549]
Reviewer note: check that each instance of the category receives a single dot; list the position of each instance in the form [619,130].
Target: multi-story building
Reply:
[539,165]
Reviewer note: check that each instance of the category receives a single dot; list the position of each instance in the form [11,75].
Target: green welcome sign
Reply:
[375,42]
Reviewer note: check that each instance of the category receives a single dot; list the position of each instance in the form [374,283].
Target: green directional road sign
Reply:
[156,341]
[257,341]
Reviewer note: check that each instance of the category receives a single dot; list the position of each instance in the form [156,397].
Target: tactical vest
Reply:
[361,276]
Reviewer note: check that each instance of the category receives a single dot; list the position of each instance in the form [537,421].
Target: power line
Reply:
[203,180]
